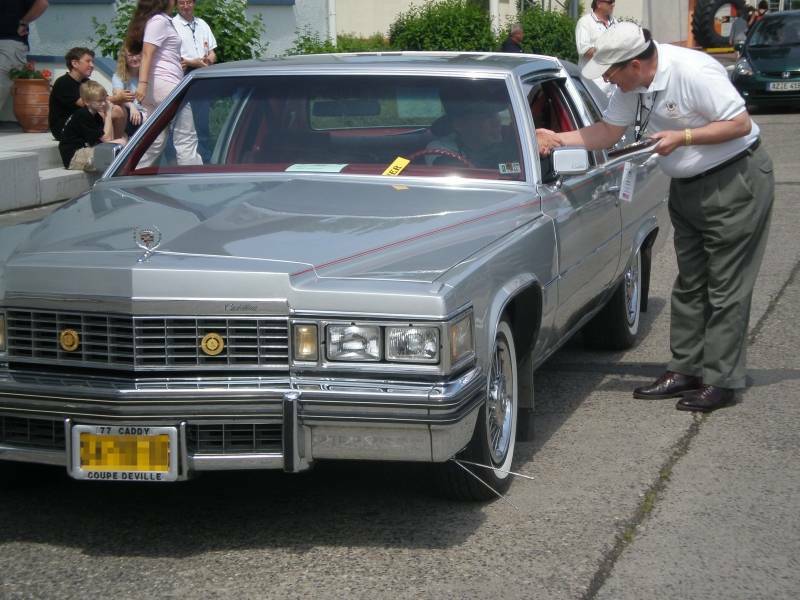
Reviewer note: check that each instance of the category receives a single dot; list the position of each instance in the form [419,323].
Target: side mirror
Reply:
[570,160]
[738,46]
[104,155]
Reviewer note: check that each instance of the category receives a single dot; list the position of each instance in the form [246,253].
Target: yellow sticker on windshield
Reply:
[397,166]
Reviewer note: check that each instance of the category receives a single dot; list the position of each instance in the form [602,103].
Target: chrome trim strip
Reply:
[68,443]
[150,307]
[224,462]
[181,400]
[291,449]
[183,457]
[33,455]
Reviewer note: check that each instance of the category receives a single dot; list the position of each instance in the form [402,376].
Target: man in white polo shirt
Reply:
[589,27]
[197,40]
[720,200]
[197,51]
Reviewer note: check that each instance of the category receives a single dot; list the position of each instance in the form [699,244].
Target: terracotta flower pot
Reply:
[31,104]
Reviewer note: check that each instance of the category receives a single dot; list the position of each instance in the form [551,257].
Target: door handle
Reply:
[605,190]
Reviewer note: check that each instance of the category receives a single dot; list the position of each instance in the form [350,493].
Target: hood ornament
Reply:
[148,239]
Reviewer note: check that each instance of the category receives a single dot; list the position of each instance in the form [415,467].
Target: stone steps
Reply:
[31,172]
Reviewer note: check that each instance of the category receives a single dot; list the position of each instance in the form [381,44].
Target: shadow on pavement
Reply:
[335,504]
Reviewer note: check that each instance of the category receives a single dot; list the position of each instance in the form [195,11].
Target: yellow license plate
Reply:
[124,453]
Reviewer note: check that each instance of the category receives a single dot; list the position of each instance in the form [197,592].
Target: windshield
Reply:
[376,125]
[777,31]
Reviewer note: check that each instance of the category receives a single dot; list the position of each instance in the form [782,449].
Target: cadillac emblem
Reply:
[212,344]
[148,239]
[69,340]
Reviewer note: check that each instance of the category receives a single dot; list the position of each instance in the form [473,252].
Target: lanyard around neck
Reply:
[640,126]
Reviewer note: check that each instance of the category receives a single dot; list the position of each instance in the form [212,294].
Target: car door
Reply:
[651,185]
[585,208]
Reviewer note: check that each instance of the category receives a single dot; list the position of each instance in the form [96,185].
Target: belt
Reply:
[747,152]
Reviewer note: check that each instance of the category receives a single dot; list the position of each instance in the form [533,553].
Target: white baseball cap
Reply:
[620,42]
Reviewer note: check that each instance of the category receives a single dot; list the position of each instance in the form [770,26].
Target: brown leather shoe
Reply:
[669,385]
[706,399]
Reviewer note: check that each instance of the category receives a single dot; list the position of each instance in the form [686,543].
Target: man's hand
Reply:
[192,63]
[667,141]
[22,30]
[547,140]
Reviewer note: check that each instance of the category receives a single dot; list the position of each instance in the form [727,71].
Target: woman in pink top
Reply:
[152,33]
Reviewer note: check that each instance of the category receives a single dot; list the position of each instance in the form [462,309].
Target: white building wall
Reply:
[668,20]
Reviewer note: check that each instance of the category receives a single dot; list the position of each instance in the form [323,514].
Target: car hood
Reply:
[775,59]
[294,227]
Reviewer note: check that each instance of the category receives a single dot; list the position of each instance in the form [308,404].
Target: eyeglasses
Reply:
[613,71]
[607,1]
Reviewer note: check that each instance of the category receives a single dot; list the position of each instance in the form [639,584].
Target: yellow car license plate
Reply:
[124,453]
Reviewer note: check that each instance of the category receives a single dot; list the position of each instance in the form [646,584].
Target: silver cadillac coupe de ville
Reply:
[325,257]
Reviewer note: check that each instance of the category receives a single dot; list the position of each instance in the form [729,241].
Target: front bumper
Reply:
[754,91]
[228,423]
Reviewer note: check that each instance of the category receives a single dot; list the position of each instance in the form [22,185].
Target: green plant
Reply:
[111,35]
[310,42]
[444,25]
[548,32]
[237,37]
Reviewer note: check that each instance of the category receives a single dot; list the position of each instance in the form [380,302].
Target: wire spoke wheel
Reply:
[494,437]
[633,284]
[499,403]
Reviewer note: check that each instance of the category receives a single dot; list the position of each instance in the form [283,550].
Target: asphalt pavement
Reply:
[630,499]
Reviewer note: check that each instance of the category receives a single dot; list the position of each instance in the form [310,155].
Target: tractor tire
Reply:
[704,21]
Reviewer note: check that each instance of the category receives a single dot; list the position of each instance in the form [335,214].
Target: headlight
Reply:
[412,344]
[743,67]
[353,342]
[306,344]
[2,332]
[461,339]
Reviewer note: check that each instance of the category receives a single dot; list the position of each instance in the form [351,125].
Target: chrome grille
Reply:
[175,342]
[33,433]
[106,340]
[237,438]
[779,75]
[147,343]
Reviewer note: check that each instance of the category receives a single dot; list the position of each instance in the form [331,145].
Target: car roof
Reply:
[387,62]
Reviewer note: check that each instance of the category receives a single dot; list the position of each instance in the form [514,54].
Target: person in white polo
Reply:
[589,27]
[720,200]
[197,40]
[198,47]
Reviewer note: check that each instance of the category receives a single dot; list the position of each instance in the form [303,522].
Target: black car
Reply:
[768,71]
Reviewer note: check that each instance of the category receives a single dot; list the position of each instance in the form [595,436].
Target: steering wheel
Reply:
[441,152]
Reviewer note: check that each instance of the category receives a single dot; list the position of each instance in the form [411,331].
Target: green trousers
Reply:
[721,224]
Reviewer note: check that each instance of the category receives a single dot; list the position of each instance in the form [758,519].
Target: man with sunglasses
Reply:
[589,27]
[720,200]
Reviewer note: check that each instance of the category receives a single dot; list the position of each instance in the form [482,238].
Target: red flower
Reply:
[47,73]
